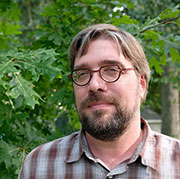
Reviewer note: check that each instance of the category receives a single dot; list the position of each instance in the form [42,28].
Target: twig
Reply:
[157,25]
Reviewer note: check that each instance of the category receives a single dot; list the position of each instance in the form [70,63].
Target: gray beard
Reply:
[110,129]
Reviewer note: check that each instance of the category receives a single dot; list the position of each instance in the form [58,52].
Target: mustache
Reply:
[95,97]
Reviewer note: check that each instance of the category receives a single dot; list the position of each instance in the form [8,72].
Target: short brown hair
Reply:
[130,47]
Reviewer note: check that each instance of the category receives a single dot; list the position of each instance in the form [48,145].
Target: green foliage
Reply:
[9,26]
[35,91]
[160,29]
[174,55]
[19,69]
[31,64]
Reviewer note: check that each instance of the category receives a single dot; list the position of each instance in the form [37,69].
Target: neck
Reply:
[114,152]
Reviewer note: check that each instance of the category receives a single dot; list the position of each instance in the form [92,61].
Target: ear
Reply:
[142,86]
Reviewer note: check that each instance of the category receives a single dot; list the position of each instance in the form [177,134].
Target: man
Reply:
[110,77]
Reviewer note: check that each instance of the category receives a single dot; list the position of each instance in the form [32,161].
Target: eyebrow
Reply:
[101,63]
[111,62]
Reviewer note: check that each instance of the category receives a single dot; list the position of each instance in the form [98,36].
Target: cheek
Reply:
[127,93]
[79,94]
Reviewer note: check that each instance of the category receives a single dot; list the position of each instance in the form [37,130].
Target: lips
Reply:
[97,101]
[99,105]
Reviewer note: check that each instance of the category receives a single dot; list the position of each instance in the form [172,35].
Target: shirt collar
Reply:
[76,149]
[80,147]
[148,151]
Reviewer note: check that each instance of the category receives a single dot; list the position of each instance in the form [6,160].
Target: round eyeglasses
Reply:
[109,74]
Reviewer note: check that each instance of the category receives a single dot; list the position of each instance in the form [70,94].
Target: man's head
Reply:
[111,74]
[130,47]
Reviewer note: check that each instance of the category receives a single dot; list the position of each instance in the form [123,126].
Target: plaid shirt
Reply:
[157,157]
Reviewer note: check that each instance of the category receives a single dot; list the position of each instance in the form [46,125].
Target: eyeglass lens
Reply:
[107,73]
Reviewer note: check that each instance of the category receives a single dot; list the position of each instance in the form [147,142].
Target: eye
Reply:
[111,69]
[81,74]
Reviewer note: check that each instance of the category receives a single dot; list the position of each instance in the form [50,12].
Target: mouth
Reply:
[99,105]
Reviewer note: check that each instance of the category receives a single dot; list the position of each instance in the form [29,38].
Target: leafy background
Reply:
[35,94]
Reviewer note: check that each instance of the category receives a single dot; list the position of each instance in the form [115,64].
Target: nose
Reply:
[97,84]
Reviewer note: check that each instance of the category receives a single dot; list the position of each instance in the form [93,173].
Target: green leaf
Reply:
[124,20]
[150,23]
[4,84]
[38,62]
[156,64]
[5,151]
[168,44]
[170,12]
[153,61]
[22,87]
[163,59]
[151,34]
[12,29]
[158,69]
[174,55]
[178,22]
[7,66]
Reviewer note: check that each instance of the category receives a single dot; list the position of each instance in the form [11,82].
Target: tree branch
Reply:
[30,14]
[170,20]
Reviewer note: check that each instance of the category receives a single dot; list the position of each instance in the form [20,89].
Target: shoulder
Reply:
[159,144]
[58,146]
[163,147]
[162,154]
[165,141]
[42,160]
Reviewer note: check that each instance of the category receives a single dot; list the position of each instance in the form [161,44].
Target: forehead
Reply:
[101,52]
